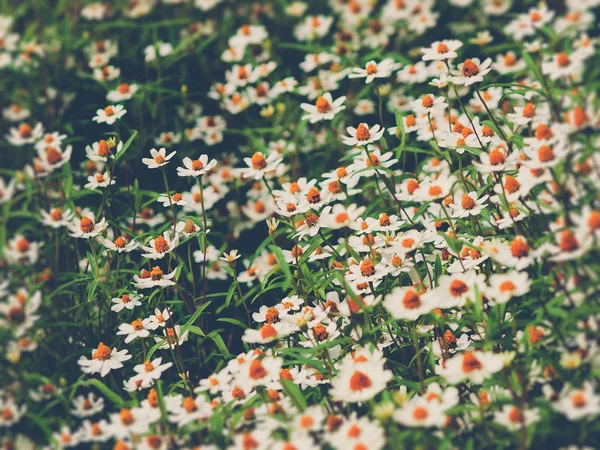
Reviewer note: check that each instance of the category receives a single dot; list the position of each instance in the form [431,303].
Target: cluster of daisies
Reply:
[364,225]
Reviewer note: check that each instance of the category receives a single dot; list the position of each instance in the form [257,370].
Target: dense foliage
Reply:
[344,224]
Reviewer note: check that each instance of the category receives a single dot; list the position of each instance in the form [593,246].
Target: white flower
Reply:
[472,366]
[515,418]
[101,150]
[133,330]
[164,49]
[123,92]
[110,114]
[150,371]
[153,278]
[126,301]
[104,359]
[325,108]
[471,71]
[361,377]
[406,303]
[508,285]
[258,165]
[363,135]
[374,70]
[87,406]
[120,245]
[158,319]
[159,158]
[469,205]
[441,50]
[160,246]
[99,180]
[56,217]
[86,227]
[577,404]
[196,167]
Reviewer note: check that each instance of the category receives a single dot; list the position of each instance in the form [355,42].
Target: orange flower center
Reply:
[458,288]
[156,273]
[86,225]
[442,48]
[496,157]
[529,110]
[360,381]
[411,300]
[53,155]
[467,202]
[568,241]
[420,413]
[562,59]
[434,191]
[515,415]
[362,133]
[257,370]
[470,363]
[322,105]
[102,353]
[507,286]
[545,153]
[469,68]
[367,268]
[258,161]
[197,164]
[160,244]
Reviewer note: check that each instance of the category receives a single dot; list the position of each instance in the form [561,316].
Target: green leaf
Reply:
[293,391]
[126,145]
[67,180]
[218,340]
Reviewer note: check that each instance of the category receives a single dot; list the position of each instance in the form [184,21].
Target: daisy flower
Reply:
[441,50]
[258,165]
[126,301]
[151,371]
[196,167]
[102,150]
[87,406]
[159,158]
[99,180]
[110,114]
[471,71]
[158,319]
[363,135]
[56,217]
[374,70]
[505,286]
[515,418]
[325,108]
[123,92]
[153,278]
[104,359]
[472,366]
[407,304]
[86,227]
[469,205]
[428,104]
[360,379]
[133,330]
[120,245]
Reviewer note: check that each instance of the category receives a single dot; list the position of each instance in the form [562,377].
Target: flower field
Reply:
[290,225]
